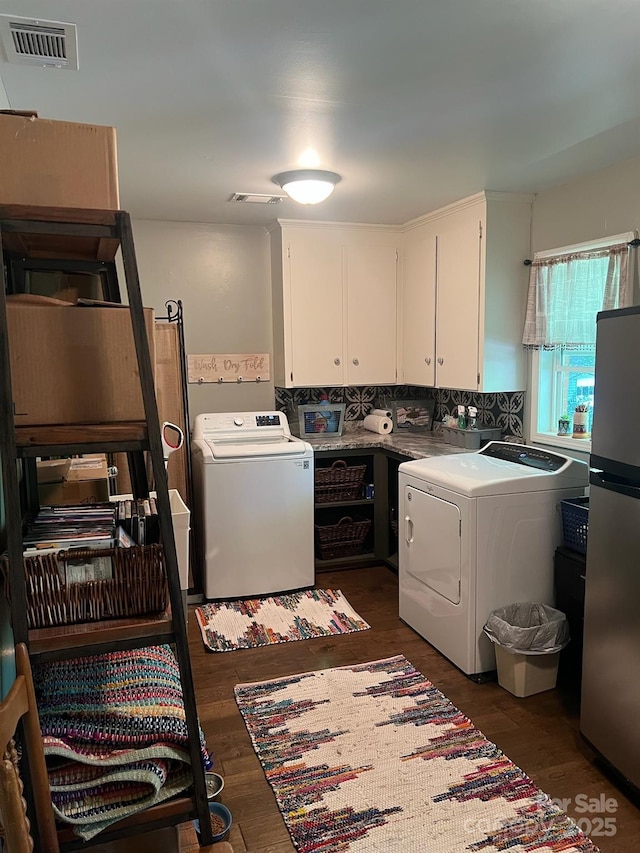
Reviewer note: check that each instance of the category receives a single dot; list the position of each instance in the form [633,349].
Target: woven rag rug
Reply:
[230,625]
[115,736]
[373,757]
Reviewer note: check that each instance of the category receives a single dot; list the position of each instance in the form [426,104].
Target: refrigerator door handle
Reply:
[614,484]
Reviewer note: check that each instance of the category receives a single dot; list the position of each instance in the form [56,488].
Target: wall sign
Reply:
[228,367]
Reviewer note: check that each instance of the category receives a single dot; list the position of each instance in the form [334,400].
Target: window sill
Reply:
[578,445]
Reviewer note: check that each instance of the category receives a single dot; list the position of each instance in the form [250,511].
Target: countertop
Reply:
[414,446]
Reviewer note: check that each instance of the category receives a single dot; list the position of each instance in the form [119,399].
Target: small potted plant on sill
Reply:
[564,425]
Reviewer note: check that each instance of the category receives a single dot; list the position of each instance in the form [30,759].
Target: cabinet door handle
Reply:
[408,535]
[427,360]
[356,362]
[441,360]
[336,361]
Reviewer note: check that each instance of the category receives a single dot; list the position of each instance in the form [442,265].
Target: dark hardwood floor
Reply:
[539,733]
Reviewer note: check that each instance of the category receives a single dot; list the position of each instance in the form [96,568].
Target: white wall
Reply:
[222,272]
[597,205]
[593,206]
[222,275]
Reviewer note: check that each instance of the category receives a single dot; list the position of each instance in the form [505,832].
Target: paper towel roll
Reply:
[381,413]
[376,423]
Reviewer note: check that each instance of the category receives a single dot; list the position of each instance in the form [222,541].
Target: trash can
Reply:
[527,639]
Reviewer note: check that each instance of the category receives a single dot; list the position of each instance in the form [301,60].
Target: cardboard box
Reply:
[86,482]
[67,287]
[52,470]
[91,466]
[57,163]
[72,364]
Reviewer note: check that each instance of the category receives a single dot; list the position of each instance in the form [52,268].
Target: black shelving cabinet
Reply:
[378,542]
[93,236]
[570,578]
[393,461]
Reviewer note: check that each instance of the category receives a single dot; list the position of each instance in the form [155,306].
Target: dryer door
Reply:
[432,530]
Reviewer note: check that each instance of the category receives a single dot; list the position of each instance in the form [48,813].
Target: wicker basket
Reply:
[137,585]
[331,494]
[343,539]
[340,482]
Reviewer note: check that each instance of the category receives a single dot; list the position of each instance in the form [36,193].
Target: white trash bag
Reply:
[528,629]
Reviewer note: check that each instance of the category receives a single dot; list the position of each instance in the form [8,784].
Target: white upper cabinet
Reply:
[334,304]
[458,293]
[313,273]
[418,314]
[464,289]
[370,328]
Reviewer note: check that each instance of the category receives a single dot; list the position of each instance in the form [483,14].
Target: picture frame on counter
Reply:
[413,415]
[316,419]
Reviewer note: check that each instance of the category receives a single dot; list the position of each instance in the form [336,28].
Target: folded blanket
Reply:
[114,734]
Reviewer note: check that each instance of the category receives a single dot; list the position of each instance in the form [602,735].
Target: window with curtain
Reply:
[567,288]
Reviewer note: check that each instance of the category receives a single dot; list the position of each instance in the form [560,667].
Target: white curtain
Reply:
[566,292]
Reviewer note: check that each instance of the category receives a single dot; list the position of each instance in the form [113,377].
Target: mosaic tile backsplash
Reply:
[504,409]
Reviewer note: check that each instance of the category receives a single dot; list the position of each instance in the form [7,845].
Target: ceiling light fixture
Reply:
[307,186]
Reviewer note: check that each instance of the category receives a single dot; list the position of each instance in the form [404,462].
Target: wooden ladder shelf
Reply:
[94,236]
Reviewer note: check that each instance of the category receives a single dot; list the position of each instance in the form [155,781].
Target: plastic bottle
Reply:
[462,418]
[471,421]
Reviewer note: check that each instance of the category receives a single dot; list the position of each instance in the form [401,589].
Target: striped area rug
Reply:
[229,625]
[373,757]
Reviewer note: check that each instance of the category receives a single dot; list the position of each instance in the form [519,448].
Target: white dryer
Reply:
[479,531]
[253,499]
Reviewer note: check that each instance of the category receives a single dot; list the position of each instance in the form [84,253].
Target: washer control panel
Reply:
[222,425]
[531,457]
[267,420]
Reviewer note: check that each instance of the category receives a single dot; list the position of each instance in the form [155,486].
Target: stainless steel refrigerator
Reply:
[610,708]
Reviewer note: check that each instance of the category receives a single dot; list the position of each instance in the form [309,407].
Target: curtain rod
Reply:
[632,243]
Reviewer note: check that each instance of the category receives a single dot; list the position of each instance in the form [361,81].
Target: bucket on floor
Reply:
[524,675]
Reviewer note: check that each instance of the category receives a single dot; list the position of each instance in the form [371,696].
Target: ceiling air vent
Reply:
[28,41]
[256,198]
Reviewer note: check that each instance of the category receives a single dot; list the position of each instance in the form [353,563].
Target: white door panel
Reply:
[419,306]
[458,300]
[371,314]
[432,530]
[316,283]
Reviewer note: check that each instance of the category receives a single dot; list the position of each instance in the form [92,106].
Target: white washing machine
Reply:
[478,531]
[253,500]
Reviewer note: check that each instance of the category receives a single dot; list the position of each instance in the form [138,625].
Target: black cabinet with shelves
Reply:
[570,579]
[393,520]
[93,235]
[380,481]
[344,514]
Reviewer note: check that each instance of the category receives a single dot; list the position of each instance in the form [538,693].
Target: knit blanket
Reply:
[115,735]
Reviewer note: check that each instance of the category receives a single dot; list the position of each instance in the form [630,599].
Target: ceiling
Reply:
[416,103]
